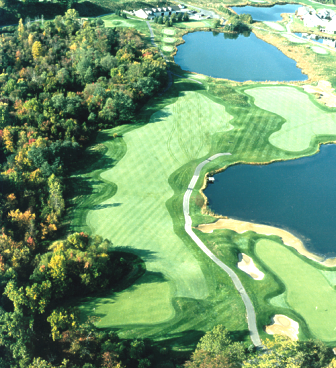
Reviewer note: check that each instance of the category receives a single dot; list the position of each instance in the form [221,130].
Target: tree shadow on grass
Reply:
[107,205]
[145,254]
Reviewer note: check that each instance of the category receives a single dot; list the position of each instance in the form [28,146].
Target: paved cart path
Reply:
[251,317]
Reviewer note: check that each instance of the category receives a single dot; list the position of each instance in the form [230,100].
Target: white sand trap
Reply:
[247,265]
[295,39]
[168,31]
[169,39]
[276,26]
[325,91]
[287,238]
[319,50]
[283,325]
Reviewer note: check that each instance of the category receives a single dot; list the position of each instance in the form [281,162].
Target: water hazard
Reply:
[298,196]
[271,14]
[239,58]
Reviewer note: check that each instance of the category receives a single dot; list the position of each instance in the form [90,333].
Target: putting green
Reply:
[308,291]
[319,50]
[136,217]
[118,23]
[304,119]
[168,48]
[169,39]
[276,26]
[169,31]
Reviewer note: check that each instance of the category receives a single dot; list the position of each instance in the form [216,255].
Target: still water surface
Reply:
[298,196]
[240,59]
[271,14]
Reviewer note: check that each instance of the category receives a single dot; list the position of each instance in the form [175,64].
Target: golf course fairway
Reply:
[304,119]
[175,135]
[308,290]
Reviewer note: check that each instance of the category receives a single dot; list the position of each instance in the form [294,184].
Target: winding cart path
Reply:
[251,316]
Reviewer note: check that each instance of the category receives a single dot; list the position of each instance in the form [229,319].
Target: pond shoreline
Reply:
[300,247]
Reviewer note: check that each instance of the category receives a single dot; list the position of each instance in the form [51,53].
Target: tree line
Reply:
[61,81]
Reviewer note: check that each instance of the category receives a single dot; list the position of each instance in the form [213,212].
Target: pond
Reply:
[304,35]
[271,14]
[239,58]
[298,196]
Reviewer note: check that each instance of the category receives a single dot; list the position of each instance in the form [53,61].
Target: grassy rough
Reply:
[308,291]
[304,119]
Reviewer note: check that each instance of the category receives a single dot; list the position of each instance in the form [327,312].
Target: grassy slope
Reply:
[304,119]
[307,289]
[149,168]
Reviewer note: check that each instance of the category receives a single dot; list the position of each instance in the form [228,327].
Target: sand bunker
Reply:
[276,26]
[247,265]
[325,92]
[283,325]
[287,238]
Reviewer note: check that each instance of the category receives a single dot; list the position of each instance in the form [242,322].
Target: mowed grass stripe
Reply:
[307,291]
[304,119]
[141,221]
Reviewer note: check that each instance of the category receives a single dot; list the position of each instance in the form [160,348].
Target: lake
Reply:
[271,14]
[298,196]
[241,59]
[319,40]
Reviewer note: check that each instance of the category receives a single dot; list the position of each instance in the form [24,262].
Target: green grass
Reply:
[168,48]
[136,219]
[133,196]
[169,31]
[304,119]
[169,39]
[116,21]
[308,291]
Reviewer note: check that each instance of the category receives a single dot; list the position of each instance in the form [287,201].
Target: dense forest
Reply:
[61,82]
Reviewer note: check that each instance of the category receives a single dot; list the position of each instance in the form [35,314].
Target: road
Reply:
[251,316]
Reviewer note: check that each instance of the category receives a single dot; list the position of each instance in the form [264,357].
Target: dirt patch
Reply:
[247,265]
[287,238]
[324,91]
[283,325]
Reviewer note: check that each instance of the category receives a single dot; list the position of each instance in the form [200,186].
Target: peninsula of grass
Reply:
[134,198]
[304,120]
